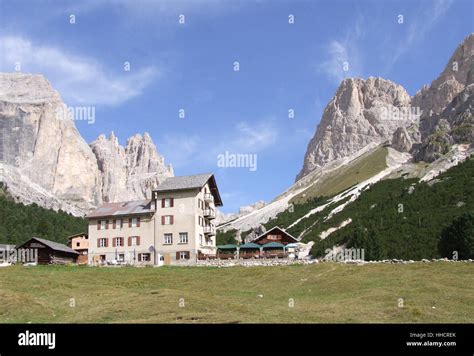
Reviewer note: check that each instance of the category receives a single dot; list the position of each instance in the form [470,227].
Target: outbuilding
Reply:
[50,252]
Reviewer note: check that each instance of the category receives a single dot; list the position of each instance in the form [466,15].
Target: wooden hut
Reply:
[50,252]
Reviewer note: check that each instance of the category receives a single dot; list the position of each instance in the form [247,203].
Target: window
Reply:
[168,239]
[182,255]
[118,241]
[167,202]
[118,224]
[167,220]
[102,242]
[144,257]
[78,244]
[134,241]
[200,204]
[102,258]
[200,239]
[102,224]
[121,257]
[134,222]
[200,221]
[183,237]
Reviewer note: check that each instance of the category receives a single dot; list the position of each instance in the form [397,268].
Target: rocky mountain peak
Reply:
[26,88]
[457,74]
[361,112]
[44,159]
[129,173]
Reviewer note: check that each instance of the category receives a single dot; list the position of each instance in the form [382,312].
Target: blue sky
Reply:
[190,66]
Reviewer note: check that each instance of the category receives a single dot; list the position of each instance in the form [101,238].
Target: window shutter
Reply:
[98,224]
[138,222]
[177,255]
[129,241]
[106,224]
[138,240]
[98,244]
[129,222]
[163,202]
[106,242]
[187,255]
[171,219]
[163,220]
[114,241]
[114,223]
[172,202]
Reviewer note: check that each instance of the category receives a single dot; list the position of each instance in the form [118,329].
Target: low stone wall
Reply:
[253,262]
[286,262]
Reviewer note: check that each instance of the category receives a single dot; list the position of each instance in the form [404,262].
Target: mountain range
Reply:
[371,130]
[45,160]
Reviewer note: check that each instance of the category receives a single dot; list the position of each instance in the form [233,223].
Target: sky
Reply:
[251,77]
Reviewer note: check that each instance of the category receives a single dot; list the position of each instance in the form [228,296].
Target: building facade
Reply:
[175,227]
[80,244]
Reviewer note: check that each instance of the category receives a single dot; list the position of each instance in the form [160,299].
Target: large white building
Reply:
[172,228]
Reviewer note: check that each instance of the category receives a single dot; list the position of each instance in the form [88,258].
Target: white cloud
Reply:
[253,138]
[181,150]
[79,79]
[185,150]
[419,27]
[343,55]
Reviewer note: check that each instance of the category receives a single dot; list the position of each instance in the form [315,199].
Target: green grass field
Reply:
[344,177]
[323,293]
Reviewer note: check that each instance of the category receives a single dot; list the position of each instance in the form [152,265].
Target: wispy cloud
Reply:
[79,79]
[143,9]
[344,58]
[419,27]
[253,138]
[185,150]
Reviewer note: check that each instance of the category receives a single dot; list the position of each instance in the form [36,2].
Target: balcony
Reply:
[209,230]
[209,213]
[208,198]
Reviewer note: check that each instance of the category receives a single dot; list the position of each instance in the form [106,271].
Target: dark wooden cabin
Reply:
[275,234]
[50,252]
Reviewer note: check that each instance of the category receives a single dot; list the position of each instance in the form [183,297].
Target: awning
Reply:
[273,245]
[250,245]
[227,247]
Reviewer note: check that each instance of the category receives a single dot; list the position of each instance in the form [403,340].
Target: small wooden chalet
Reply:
[50,252]
[275,234]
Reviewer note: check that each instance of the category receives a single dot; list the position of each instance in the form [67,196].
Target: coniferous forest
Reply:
[19,222]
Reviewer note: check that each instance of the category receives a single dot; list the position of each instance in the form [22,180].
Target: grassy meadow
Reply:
[323,293]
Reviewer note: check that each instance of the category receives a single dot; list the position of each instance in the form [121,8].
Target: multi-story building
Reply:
[80,244]
[172,228]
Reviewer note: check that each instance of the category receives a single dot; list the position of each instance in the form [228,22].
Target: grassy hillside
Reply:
[404,217]
[347,176]
[19,222]
[321,293]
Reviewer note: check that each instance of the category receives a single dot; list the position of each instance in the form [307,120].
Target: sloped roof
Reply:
[276,228]
[249,245]
[226,247]
[273,244]
[53,245]
[184,182]
[196,181]
[76,235]
[135,207]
